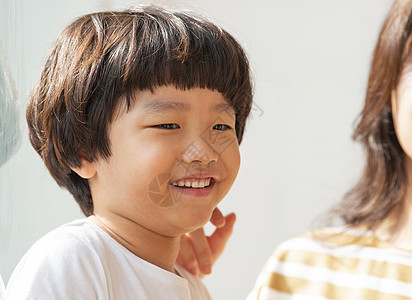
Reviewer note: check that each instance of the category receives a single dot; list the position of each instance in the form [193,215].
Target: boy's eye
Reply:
[221,127]
[168,126]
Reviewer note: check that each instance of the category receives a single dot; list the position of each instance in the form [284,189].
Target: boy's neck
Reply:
[397,227]
[150,246]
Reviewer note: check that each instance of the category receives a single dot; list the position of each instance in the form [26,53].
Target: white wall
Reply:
[310,60]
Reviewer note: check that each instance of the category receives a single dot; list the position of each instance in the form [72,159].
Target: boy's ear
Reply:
[86,169]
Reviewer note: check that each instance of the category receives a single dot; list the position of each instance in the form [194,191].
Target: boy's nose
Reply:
[199,151]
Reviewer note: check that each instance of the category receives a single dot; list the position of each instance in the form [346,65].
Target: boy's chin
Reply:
[190,223]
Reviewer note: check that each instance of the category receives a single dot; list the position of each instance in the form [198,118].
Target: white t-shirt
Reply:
[81,261]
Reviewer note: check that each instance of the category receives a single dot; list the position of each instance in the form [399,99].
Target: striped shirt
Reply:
[336,263]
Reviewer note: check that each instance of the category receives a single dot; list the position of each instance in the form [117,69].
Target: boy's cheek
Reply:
[232,158]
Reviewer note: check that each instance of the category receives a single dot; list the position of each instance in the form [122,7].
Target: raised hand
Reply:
[199,252]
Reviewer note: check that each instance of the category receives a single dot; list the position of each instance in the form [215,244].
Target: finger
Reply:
[187,257]
[202,250]
[217,218]
[220,236]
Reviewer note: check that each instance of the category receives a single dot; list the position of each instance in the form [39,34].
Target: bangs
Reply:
[170,49]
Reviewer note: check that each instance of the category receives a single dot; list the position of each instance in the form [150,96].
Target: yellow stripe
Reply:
[293,285]
[346,238]
[348,265]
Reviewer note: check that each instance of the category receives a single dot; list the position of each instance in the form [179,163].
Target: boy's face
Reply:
[167,139]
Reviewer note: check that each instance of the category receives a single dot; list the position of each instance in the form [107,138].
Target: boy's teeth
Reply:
[200,183]
[195,184]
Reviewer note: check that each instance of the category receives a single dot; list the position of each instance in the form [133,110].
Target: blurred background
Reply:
[310,61]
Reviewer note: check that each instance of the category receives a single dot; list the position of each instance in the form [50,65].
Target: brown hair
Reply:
[382,185]
[101,58]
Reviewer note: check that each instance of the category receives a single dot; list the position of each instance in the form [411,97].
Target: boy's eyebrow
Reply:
[162,106]
[221,107]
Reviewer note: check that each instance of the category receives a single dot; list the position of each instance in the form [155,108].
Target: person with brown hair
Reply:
[139,115]
[370,256]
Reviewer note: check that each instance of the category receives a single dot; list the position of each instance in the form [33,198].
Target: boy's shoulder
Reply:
[78,236]
[63,263]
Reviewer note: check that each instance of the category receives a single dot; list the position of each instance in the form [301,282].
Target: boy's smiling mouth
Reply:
[196,186]
[196,183]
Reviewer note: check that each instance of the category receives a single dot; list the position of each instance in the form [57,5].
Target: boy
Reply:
[139,115]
